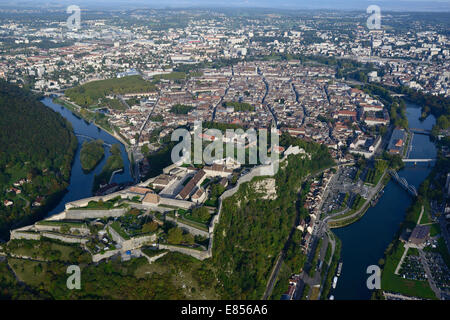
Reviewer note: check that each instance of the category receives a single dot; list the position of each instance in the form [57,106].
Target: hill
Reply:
[37,146]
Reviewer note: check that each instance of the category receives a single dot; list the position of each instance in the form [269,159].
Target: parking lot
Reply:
[342,184]
[412,268]
[439,271]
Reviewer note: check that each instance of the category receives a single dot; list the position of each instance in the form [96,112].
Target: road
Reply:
[359,58]
[321,231]
[303,107]
[27,202]
[276,269]
[137,155]
[113,174]
[331,241]
[225,93]
[269,109]
[444,231]
[433,286]
[273,276]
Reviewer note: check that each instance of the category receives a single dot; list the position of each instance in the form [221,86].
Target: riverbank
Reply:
[80,184]
[351,217]
[424,214]
[365,240]
[77,110]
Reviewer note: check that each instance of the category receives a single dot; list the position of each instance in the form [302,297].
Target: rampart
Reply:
[200,255]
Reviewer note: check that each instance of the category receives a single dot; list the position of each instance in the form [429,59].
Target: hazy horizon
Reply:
[396,5]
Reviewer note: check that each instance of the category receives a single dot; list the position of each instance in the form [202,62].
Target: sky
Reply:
[389,5]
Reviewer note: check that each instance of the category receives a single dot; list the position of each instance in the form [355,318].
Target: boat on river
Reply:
[374,201]
[335,279]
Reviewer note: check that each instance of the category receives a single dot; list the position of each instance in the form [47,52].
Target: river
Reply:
[80,182]
[364,242]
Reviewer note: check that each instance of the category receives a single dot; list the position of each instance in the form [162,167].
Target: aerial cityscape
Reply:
[229,151]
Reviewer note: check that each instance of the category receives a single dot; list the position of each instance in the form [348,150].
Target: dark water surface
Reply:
[80,182]
[364,242]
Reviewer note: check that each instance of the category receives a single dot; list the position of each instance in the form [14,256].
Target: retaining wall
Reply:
[64,238]
[189,228]
[24,235]
[137,242]
[154,258]
[200,255]
[40,227]
[99,256]
[177,203]
[79,214]
[84,202]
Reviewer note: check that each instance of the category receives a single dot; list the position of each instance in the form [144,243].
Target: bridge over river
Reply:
[91,138]
[420,131]
[404,183]
[418,160]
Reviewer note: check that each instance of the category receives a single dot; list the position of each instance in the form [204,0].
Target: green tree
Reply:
[65,228]
[175,236]
[201,213]
[150,227]
[145,150]
[188,238]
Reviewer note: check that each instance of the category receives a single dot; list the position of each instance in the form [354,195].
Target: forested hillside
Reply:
[252,231]
[36,150]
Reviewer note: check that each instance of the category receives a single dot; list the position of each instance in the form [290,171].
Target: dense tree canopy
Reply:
[252,231]
[113,163]
[32,133]
[181,109]
[36,145]
[90,93]
[91,154]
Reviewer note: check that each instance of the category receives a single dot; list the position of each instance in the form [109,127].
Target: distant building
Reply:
[131,72]
[199,196]
[373,76]
[7,203]
[447,184]
[419,235]
[365,146]
[217,170]
[371,107]
[189,188]
[162,181]
[139,190]
[397,141]
[372,121]
[151,198]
